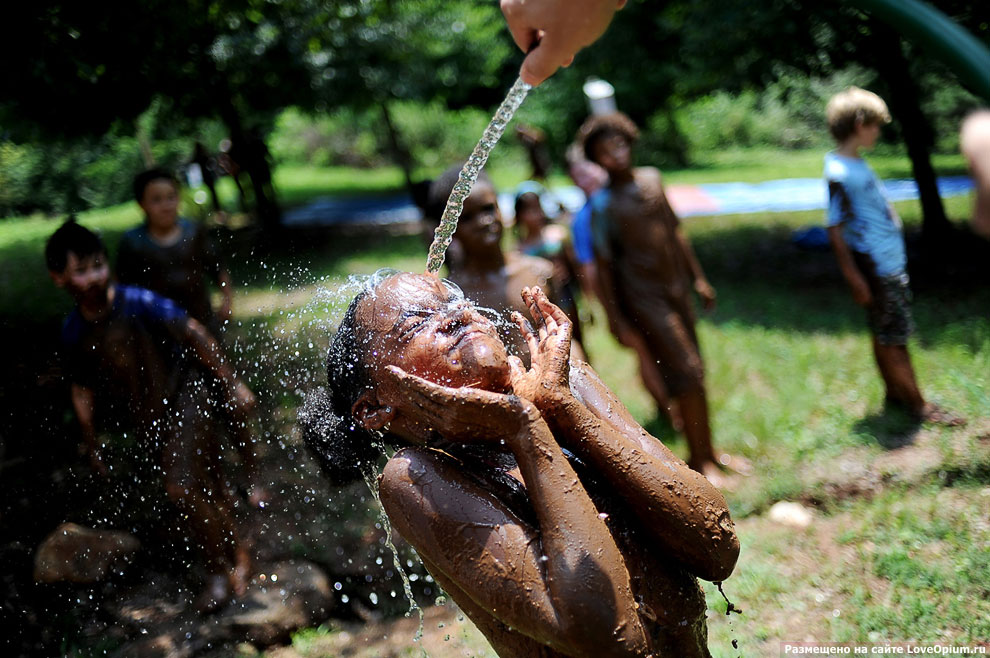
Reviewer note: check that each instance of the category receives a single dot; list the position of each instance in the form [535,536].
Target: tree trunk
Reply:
[249,152]
[399,152]
[144,144]
[903,97]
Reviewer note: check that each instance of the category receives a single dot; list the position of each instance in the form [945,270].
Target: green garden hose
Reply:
[924,24]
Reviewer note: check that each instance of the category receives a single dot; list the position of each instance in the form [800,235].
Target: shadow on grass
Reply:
[763,280]
[891,427]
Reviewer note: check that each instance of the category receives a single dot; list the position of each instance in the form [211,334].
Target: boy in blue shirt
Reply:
[868,241]
[136,360]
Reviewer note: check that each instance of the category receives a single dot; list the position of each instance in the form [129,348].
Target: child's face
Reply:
[867,134]
[86,278]
[613,152]
[417,323]
[160,203]
[480,226]
[531,213]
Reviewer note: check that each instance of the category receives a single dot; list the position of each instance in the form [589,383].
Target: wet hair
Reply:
[440,189]
[343,448]
[145,178]
[71,237]
[852,106]
[600,126]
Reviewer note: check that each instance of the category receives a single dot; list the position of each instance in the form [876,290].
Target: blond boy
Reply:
[868,241]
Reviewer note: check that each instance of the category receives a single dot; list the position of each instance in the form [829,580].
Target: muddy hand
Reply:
[549,347]
[461,414]
[706,293]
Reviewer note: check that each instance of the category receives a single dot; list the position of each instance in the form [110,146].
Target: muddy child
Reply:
[532,496]
[647,271]
[137,361]
[868,242]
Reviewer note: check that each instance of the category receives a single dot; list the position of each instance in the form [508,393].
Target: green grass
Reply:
[761,164]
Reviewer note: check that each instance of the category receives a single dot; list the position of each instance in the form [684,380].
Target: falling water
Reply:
[371,478]
[469,174]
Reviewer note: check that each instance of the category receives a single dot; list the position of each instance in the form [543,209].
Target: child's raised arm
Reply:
[683,511]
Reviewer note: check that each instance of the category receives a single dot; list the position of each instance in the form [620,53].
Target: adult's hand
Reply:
[553,31]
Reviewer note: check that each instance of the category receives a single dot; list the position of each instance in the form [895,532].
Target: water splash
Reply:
[371,478]
[469,174]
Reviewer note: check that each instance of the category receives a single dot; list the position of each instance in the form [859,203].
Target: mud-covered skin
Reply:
[606,564]
[489,276]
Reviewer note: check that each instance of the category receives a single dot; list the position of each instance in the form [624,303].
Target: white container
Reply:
[600,95]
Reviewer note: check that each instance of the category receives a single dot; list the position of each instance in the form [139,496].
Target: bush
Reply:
[434,136]
[61,177]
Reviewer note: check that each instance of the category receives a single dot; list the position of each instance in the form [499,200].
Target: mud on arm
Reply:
[564,582]
[687,516]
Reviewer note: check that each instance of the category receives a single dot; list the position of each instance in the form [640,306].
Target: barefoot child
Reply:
[128,351]
[647,271]
[533,498]
[868,242]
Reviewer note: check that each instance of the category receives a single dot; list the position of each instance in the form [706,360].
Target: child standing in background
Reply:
[868,241]
[647,271]
[171,255]
[174,257]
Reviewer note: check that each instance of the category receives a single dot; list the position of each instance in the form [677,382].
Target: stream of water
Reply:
[469,174]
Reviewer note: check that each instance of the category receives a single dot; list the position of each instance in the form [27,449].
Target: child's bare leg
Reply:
[697,431]
[890,387]
[196,487]
[212,532]
[898,374]
[211,474]
[649,372]
[896,361]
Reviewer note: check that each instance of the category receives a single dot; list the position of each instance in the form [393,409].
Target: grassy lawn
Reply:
[899,547]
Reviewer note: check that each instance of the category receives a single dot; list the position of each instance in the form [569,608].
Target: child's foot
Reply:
[736,464]
[215,595]
[933,413]
[241,573]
